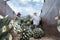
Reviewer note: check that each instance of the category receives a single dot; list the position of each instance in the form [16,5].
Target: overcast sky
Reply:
[26,6]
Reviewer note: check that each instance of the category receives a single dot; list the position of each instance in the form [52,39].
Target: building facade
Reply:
[50,11]
[5,9]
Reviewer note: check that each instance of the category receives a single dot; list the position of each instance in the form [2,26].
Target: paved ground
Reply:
[47,38]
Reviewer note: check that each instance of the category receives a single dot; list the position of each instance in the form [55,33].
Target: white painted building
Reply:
[5,9]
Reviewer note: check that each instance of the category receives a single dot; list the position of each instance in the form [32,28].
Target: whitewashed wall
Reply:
[5,9]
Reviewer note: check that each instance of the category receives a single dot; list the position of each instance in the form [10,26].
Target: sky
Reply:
[26,6]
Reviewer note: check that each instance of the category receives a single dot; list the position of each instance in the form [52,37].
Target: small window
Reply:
[44,0]
[41,11]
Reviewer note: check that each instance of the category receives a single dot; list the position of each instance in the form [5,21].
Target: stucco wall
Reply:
[50,10]
[5,9]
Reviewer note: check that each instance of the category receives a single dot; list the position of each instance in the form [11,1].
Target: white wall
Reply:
[5,9]
[50,11]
